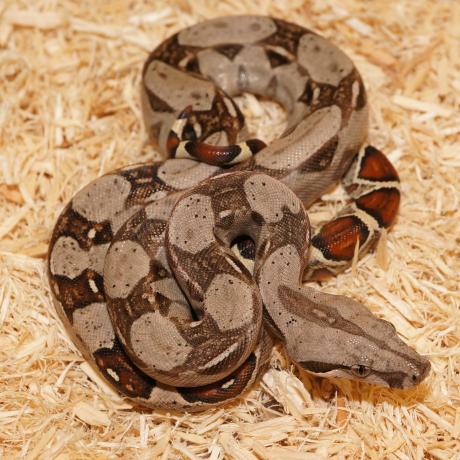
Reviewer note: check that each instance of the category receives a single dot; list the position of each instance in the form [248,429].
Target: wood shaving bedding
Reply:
[69,111]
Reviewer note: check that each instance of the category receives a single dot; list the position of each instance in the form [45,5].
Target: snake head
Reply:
[342,338]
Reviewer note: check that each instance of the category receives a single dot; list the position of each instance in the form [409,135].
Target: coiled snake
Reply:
[141,263]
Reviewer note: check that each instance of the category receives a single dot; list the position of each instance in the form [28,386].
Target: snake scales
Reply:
[141,263]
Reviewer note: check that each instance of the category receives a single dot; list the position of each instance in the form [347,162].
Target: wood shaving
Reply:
[70,111]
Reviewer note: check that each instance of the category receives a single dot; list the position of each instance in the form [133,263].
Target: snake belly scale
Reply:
[174,277]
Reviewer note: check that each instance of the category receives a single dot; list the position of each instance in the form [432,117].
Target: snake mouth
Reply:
[398,380]
[403,380]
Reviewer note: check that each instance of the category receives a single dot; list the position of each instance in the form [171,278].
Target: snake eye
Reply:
[360,371]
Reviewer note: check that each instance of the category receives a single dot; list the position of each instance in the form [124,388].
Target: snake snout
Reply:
[420,373]
[416,373]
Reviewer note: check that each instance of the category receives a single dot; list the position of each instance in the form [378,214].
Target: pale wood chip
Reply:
[91,415]
[34,18]
[11,193]
[70,111]
[422,106]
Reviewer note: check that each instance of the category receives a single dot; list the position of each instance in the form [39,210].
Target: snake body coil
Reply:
[140,261]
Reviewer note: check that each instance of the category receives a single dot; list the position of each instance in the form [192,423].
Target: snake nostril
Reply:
[421,373]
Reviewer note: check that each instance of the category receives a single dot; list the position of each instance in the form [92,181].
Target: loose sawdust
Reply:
[69,79]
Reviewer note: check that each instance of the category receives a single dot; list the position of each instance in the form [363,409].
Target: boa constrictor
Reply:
[141,263]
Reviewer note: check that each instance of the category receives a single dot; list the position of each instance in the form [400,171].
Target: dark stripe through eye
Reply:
[318,367]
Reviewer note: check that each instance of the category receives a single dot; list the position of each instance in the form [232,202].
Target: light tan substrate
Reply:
[69,111]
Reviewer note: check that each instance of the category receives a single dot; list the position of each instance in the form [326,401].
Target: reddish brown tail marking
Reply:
[208,153]
[374,190]
[382,204]
[375,166]
[337,239]
[221,155]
